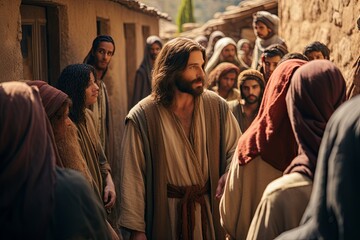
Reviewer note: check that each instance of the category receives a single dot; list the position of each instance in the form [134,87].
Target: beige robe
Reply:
[282,206]
[244,187]
[93,152]
[99,113]
[186,164]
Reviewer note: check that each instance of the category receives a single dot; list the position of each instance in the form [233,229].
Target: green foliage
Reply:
[185,14]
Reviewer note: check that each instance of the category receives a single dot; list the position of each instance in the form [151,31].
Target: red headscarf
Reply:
[316,90]
[27,163]
[270,134]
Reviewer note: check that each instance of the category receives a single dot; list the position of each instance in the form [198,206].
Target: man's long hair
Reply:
[169,65]
[90,57]
[73,81]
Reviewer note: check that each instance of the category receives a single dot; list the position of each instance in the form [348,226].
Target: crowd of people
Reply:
[223,140]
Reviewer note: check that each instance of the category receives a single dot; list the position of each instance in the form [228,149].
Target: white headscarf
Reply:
[219,46]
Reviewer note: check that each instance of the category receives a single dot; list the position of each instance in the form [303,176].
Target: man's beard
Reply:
[186,86]
[230,59]
[70,151]
[251,101]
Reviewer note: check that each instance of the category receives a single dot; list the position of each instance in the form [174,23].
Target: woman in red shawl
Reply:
[39,200]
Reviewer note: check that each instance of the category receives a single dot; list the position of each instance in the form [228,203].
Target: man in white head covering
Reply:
[225,50]
[265,27]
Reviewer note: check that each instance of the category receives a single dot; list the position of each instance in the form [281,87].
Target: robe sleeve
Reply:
[132,180]
[103,163]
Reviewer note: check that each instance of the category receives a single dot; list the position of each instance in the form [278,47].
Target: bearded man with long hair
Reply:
[175,150]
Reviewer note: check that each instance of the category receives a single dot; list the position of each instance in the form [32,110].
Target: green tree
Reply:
[185,14]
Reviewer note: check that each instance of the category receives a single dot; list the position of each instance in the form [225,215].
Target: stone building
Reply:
[41,37]
[331,22]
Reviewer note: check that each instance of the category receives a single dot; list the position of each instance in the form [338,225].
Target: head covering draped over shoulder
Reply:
[211,43]
[270,134]
[219,46]
[269,19]
[27,164]
[143,78]
[52,98]
[333,211]
[310,109]
[221,70]
[241,42]
[147,62]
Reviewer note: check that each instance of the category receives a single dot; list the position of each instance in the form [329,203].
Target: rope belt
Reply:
[186,209]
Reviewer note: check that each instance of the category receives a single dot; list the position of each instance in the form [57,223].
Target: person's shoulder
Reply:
[138,109]
[70,181]
[78,212]
[211,94]
[212,99]
[236,92]
[233,103]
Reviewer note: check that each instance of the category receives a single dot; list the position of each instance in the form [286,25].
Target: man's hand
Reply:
[135,235]
[109,192]
[220,186]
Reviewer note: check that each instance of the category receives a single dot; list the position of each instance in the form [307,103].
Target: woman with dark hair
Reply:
[78,82]
[99,56]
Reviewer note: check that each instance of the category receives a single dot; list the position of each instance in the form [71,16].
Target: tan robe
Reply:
[237,109]
[276,212]
[243,190]
[186,164]
[92,151]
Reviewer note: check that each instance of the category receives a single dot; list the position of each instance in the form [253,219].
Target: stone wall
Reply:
[332,22]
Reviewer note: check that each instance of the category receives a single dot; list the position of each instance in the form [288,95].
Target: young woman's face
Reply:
[91,92]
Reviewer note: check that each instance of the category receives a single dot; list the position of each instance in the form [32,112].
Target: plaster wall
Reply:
[77,20]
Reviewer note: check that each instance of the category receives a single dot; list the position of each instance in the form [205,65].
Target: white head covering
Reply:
[219,46]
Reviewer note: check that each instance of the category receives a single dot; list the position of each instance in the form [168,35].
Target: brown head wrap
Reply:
[309,109]
[221,70]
